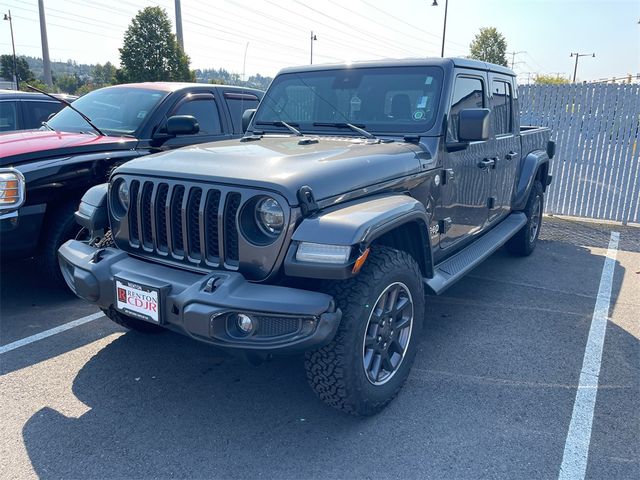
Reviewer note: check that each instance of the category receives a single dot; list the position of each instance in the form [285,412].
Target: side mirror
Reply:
[182,125]
[473,125]
[247,116]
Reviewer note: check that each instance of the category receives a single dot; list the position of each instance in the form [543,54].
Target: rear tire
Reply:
[368,361]
[130,322]
[524,242]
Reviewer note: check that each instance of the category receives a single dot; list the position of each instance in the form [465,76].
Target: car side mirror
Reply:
[473,125]
[182,125]
[247,116]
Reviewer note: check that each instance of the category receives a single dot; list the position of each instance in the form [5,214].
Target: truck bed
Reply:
[533,138]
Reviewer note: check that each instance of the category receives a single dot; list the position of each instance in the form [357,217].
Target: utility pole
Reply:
[513,57]
[179,25]
[46,62]
[578,55]
[313,39]
[7,16]
[444,27]
[528,74]
[244,64]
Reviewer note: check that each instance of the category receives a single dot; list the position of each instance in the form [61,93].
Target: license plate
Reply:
[138,301]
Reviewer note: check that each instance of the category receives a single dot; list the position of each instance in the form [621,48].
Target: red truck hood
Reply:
[39,144]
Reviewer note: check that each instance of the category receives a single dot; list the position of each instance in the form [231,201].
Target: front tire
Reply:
[524,242]
[61,226]
[369,359]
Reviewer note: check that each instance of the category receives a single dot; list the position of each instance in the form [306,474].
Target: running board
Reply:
[455,267]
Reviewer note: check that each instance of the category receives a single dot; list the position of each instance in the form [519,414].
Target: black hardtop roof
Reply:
[445,63]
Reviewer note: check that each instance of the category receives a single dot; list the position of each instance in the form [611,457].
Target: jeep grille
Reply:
[192,223]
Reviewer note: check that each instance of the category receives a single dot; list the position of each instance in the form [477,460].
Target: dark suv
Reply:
[356,188]
[26,110]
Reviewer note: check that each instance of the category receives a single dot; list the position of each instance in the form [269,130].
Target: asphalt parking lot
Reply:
[491,395]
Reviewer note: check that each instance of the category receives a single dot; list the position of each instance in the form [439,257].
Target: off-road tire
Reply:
[336,371]
[524,242]
[130,322]
[60,227]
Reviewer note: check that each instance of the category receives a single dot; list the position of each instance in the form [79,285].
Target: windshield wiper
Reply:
[68,104]
[280,123]
[353,127]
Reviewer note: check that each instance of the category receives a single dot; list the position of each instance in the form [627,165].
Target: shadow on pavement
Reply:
[490,395]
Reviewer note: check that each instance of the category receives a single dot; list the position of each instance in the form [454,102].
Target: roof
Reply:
[175,86]
[18,94]
[405,62]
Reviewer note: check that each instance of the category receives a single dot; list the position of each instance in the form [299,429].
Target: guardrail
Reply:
[596,170]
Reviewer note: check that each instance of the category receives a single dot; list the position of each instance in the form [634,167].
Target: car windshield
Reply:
[115,111]
[384,100]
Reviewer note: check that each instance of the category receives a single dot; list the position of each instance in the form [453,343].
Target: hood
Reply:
[330,167]
[19,147]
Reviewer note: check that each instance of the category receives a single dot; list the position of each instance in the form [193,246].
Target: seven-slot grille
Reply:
[196,224]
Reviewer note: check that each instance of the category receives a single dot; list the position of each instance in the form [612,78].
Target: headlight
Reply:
[269,216]
[123,195]
[12,189]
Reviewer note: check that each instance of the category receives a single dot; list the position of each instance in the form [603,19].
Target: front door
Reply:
[466,184]
[205,109]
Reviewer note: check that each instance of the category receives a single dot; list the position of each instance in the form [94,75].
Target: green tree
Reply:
[6,68]
[489,45]
[549,80]
[68,83]
[150,51]
[104,74]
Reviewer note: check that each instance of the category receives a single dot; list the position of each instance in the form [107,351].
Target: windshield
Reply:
[393,100]
[115,111]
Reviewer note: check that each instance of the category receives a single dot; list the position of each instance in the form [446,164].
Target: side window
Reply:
[238,103]
[501,107]
[8,116]
[37,112]
[205,111]
[468,92]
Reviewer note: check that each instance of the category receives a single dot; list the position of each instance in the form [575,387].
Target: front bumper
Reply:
[20,231]
[288,320]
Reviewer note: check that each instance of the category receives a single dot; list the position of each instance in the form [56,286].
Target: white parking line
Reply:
[576,447]
[47,333]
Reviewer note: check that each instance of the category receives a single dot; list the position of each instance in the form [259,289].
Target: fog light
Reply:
[244,323]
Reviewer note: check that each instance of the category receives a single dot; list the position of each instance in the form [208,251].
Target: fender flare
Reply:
[358,223]
[93,212]
[528,172]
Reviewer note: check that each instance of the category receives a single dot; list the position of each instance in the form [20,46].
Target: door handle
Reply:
[511,155]
[487,163]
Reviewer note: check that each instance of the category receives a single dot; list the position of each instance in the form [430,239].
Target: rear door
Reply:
[505,145]
[464,194]
[206,109]
[9,116]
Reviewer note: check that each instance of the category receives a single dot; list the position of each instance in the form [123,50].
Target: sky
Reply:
[275,34]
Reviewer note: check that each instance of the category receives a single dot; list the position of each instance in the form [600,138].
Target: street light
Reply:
[7,16]
[578,55]
[313,39]
[444,28]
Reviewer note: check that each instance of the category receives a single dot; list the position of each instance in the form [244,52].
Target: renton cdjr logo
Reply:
[139,300]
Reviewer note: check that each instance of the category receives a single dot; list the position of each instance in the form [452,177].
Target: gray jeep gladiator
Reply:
[355,190]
